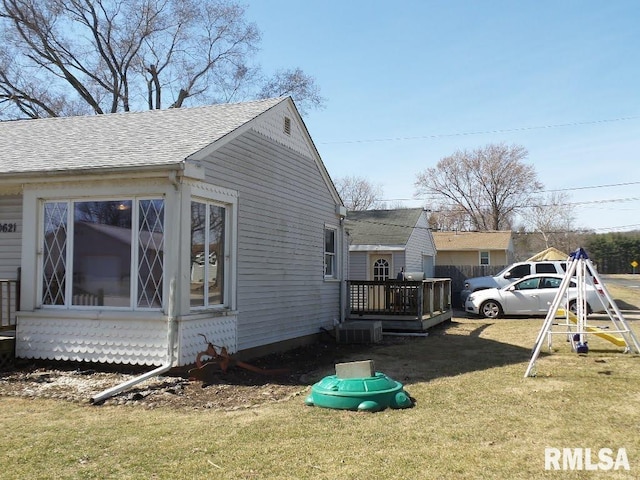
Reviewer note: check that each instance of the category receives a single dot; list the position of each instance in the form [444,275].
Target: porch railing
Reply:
[415,299]
[9,299]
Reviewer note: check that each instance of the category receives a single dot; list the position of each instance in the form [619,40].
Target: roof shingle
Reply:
[382,227]
[492,240]
[149,138]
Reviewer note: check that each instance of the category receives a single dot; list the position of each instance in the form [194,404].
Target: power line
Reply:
[625,184]
[587,202]
[396,225]
[590,187]
[567,204]
[482,132]
[590,203]
[617,229]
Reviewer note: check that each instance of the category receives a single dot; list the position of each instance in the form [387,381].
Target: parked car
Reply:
[531,295]
[509,275]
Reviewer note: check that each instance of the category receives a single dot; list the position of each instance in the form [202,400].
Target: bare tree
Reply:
[358,193]
[449,218]
[490,184]
[67,57]
[294,83]
[391,205]
[552,217]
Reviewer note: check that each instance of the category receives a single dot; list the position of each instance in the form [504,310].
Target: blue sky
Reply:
[410,82]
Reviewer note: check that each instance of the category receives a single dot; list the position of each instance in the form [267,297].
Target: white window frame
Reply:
[334,255]
[219,196]
[134,259]
[488,257]
[226,257]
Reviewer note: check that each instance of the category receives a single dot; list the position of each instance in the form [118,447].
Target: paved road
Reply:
[631,281]
[628,281]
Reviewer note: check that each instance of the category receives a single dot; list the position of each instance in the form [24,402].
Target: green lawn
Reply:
[476,417]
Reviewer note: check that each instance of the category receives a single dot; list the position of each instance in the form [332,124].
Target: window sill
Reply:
[216,312]
[95,313]
[331,279]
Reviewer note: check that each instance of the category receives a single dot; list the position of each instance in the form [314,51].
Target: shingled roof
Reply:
[551,253]
[149,138]
[382,227]
[458,241]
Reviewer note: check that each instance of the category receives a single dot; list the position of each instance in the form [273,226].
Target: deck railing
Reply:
[414,299]
[9,299]
[7,304]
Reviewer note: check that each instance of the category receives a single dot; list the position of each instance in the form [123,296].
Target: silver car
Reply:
[531,295]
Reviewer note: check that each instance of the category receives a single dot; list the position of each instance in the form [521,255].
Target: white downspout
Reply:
[171,335]
[344,267]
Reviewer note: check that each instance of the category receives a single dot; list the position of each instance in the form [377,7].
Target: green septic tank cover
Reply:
[368,394]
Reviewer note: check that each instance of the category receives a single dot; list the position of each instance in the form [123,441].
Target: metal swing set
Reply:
[574,324]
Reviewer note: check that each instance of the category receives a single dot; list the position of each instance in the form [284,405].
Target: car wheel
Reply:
[573,307]
[491,309]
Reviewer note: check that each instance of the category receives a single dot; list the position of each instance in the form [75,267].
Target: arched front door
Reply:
[379,271]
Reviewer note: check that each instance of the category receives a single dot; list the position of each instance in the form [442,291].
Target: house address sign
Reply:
[8,227]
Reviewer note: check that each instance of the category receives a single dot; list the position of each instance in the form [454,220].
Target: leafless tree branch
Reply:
[489,184]
[116,55]
[358,193]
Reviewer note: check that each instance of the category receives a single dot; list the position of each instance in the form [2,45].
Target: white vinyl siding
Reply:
[358,265]
[10,236]
[419,246]
[10,250]
[398,261]
[284,205]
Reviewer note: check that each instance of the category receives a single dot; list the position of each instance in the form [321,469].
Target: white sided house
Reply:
[391,269]
[136,233]
[383,242]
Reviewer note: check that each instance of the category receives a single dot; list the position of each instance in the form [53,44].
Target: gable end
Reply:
[278,126]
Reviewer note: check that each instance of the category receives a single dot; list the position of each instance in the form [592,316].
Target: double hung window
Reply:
[330,253]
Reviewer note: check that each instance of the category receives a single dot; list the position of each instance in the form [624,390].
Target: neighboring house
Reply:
[474,248]
[383,242]
[137,233]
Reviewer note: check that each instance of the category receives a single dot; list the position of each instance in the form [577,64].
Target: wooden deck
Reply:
[413,306]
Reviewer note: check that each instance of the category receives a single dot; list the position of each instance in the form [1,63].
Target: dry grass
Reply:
[476,417]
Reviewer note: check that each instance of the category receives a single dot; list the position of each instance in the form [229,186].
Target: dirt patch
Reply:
[234,389]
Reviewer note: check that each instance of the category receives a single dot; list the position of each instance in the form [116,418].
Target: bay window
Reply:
[103,253]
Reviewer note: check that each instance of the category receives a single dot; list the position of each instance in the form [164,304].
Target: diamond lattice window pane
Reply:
[150,253]
[54,253]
